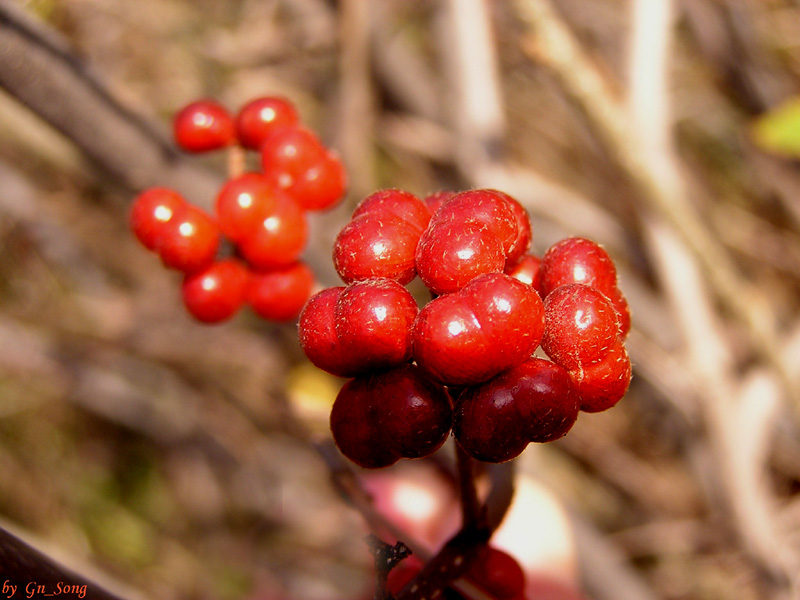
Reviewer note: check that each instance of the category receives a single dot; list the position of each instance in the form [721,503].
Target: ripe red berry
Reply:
[495,322]
[216,293]
[190,240]
[243,203]
[288,153]
[202,126]
[531,402]
[522,243]
[373,322]
[452,253]
[320,186]
[526,269]
[374,246]
[580,325]
[577,260]
[280,237]
[318,338]
[378,419]
[497,573]
[620,304]
[259,118]
[483,206]
[436,199]
[279,295]
[602,384]
[151,212]
[396,203]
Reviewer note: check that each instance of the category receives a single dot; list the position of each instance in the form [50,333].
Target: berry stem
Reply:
[386,558]
[236,161]
[472,513]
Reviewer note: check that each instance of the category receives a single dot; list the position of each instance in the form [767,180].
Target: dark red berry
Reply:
[259,118]
[280,237]
[602,384]
[190,240]
[151,212]
[243,203]
[531,402]
[378,419]
[279,295]
[202,126]
[452,253]
[580,325]
[216,293]
[577,260]
[497,573]
[373,323]
[495,322]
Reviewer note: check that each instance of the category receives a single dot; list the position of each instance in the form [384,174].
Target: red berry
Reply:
[259,118]
[602,384]
[497,573]
[483,206]
[531,402]
[320,186]
[376,246]
[403,573]
[436,199]
[577,260]
[495,322]
[151,212]
[378,419]
[522,243]
[317,333]
[620,304]
[202,126]
[280,237]
[396,203]
[243,203]
[216,293]
[190,240]
[452,253]
[527,271]
[373,323]
[288,152]
[580,325]
[280,295]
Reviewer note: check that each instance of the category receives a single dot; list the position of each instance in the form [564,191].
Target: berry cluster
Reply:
[465,360]
[262,215]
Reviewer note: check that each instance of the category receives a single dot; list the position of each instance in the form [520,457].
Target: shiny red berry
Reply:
[379,418]
[280,237]
[620,304]
[535,401]
[288,153]
[217,292]
[395,203]
[322,185]
[580,325]
[577,260]
[452,253]
[318,338]
[495,322]
[279,295]
[202,126]
[483,206]
[243,203]
[602,384]
[259,118]
[522,243]
[373,322]
[190,240]
[151,212]
[436,199]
